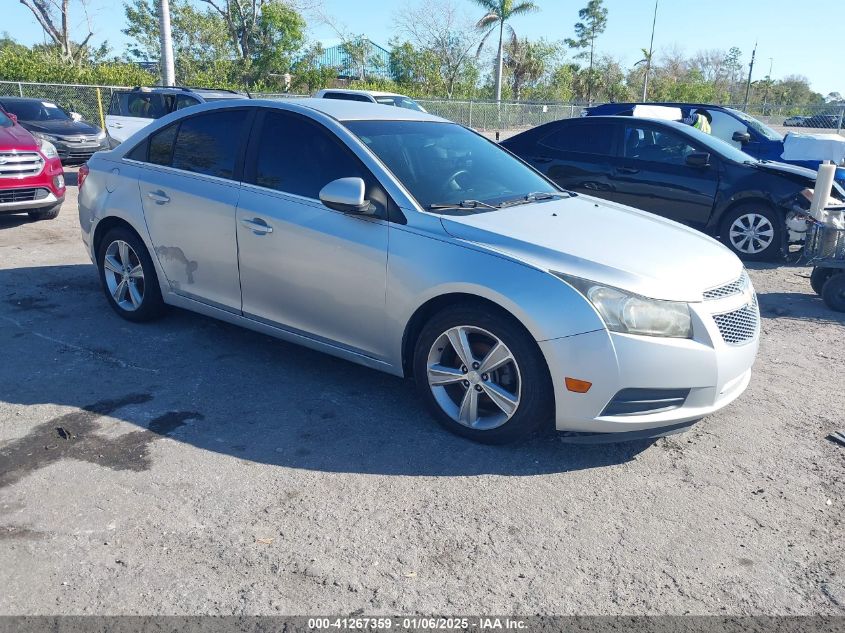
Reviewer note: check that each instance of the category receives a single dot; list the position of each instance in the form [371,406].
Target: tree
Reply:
[527,62]
[54,16]
[499,12]
[593,21]
[441,36]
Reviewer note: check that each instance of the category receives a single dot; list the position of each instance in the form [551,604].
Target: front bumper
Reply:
[74,152]
[714,372]
[22,203]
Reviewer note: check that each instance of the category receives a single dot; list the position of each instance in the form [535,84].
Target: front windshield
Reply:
[36,110]
[756,125]
[446,164]
[399,102]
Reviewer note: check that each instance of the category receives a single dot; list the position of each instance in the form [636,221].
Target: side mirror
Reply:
[698,159]
[346,195]
[741,137]
[76,116]
[14,117]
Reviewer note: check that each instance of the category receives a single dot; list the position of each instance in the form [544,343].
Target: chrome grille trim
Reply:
[734,288]
[739,327]
[25,194]
[20,164]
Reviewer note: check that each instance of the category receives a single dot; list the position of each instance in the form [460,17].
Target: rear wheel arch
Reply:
[107,224]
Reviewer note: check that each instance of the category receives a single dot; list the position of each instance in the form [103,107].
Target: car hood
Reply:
[794,172]
[604,242]
[61,128]
[16,137]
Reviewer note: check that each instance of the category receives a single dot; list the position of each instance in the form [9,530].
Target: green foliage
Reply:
[22,64]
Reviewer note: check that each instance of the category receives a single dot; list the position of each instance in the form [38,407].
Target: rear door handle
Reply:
[117,125]
[257,226]
[627,170]
[159,197]
[541,160]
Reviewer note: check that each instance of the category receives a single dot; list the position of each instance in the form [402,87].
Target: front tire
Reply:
[753,231]
[482,375]
[128,276]
[50,213]
[833,292]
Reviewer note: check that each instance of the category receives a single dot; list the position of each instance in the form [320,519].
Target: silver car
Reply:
[407,243]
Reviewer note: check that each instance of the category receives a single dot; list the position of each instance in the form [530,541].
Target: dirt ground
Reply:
[191,467]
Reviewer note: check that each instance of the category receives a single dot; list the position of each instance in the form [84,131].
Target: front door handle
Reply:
[117,125]
[627,170]
[257,226]
[159,197]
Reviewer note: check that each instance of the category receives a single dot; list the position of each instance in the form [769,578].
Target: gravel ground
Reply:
[191,467]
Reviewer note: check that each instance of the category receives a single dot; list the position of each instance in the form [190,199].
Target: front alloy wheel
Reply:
[482,375]
[474,377]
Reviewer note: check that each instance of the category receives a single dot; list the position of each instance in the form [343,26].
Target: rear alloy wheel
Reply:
[482,375]
[128,276]
[833,292]
[754,232]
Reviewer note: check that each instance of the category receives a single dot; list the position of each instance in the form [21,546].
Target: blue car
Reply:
[737,128]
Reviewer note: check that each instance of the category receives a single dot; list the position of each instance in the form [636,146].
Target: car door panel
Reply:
[316,271]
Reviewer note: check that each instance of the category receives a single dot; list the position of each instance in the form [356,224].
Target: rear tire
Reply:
[819,276]
[501,402]
[50,213]
[833,292]
[128,276]
[753,231]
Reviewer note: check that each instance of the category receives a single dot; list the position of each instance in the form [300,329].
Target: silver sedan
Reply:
[407,243]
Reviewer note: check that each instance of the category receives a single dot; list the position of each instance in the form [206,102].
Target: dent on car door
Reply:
[577,156]
[303,266]
[653,174]
[189,189]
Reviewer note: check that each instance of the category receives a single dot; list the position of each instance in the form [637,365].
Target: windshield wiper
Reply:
[535,196]
[463,204]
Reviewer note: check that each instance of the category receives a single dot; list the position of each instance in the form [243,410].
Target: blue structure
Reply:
[377,64]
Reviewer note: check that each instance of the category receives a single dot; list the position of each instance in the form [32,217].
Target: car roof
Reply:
[212,93]
[372,93]
[356,110]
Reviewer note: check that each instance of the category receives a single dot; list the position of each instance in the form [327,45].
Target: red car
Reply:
[31,177]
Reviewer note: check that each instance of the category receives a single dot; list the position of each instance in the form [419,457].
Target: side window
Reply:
[143,105]
[161,146]
[114,104]
[139,152]
[591,138]
[208,143]
[319,157]
[724,125]
[184,101]
[657,146]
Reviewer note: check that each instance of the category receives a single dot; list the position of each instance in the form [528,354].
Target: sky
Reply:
[790,36]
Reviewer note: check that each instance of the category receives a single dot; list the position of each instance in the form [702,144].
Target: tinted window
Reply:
[300,157]
[161,146]
[34,110]
[444,163]
[583,139]
[345,96]
[208,143]
[139,152]
[656,145]
[139,104]
[183,101]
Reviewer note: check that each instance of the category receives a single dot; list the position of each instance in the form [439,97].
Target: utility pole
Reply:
[168,74]
[750,70]
[650,52]
[768,83]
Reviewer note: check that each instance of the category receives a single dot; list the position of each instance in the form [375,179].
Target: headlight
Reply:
[45,137]
[101,136]
[47,148]
[632,314]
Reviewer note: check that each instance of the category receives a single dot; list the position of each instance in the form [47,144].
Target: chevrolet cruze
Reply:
[407,243]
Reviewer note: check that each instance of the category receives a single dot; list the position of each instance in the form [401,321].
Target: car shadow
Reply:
[12,220]
[797,305]
[225,389]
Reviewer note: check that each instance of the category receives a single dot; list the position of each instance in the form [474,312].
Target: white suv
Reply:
[371,96]
[133,109]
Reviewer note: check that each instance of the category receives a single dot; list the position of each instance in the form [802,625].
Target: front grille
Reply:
[739,326]
[733,288]
[77,154]
[27,194]
[20,164]
[643,401]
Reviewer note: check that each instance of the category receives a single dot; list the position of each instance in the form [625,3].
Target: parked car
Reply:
[74,139]
[794,121]
[736,128]
[675,171]
[31,176]
[370,96]
[133,109]
[412,245]
[830,120]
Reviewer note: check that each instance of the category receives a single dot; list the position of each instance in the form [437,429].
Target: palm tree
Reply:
[498,13]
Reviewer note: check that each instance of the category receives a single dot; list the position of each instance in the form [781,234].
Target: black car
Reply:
[75,140]
[678,172]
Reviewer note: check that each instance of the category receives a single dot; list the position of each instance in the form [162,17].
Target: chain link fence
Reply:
[92,103]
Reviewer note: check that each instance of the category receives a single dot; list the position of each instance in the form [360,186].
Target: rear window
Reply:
[596,138]
[144,105]
[344,96]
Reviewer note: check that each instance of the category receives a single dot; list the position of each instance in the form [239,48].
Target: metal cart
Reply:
[824,248]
